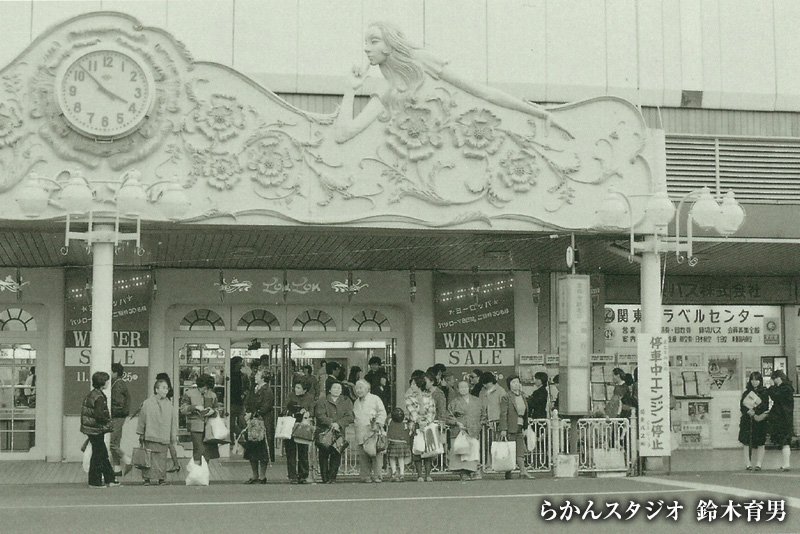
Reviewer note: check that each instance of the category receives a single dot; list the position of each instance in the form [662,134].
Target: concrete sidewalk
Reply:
[25,472]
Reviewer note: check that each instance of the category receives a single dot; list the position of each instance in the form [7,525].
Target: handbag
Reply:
[380,440]
[284,427]
[461,445]
[140,458]
[216,432]
[256,431]
[340,444]
[371,446]
[326,439]
[303,433]
[504,455]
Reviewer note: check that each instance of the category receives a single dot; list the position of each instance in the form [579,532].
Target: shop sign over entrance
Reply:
[474,318]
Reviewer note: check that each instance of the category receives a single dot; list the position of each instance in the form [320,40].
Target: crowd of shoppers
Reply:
[337,410]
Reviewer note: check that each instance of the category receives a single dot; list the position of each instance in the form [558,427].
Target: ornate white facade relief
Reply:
[433,150]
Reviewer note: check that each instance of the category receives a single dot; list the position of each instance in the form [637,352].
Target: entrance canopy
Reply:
[372,249]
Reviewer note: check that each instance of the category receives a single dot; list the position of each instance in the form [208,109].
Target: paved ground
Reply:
[486,506]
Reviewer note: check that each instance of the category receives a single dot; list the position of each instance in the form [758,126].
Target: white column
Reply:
[650,281]
[650,285]
[102,296]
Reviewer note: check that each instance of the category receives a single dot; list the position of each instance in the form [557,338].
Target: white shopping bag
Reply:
[284,428]
[418,445]
[474,454]
[504,455]
[530,438]
[216,431]
[197,475]
[129,440]
[461,444]
[87,457]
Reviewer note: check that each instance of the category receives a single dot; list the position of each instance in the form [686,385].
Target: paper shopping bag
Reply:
[285,426]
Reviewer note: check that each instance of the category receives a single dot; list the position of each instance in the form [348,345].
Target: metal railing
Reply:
[603,445]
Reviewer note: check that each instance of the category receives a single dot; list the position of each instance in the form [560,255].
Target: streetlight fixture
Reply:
[725,218]
[78,196]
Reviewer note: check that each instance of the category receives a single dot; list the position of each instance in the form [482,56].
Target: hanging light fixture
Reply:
[285,285]
[412,284]
[706,211]
[731,215]
[77,195]
[131,198]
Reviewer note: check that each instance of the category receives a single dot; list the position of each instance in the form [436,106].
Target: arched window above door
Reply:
[258,320]
[314,321]
[202,319]
[369,321]
[17,320]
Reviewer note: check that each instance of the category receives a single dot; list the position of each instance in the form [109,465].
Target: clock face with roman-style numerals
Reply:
[105,94]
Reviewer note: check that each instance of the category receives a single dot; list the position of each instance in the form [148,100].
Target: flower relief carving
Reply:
[414,132]
[221,118]
[476,133]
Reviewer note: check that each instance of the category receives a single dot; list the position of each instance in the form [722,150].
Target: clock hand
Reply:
[102,87]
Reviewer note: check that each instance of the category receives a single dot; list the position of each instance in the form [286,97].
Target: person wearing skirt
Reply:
[398,448]
[157,429]
[259,405]
[464,415]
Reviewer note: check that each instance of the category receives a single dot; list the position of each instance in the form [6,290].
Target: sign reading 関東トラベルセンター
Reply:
[131,331]
[474,318]
[654,416]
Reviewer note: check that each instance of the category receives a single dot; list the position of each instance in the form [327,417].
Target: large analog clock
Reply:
[105,94]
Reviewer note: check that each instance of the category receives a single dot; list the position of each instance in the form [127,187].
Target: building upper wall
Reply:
[740,54]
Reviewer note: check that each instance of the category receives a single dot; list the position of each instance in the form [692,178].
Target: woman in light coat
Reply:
[464,415]
[157,429]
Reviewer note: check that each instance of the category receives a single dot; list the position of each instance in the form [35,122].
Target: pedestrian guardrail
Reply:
[603,445]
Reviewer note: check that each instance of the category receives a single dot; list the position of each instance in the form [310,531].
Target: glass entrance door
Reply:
[17,400]
[194,357]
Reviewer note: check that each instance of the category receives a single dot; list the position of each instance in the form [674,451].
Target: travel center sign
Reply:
[698,325]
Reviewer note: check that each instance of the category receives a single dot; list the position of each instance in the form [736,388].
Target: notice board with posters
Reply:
[130,324]
[474,323]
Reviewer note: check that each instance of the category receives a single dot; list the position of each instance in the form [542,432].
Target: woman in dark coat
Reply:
[539,399]
[781,414]
[334,412]
[753,422]
[258,406]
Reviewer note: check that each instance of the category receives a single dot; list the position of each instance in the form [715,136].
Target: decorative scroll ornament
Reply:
[11,285]
[234,286]
[352,288]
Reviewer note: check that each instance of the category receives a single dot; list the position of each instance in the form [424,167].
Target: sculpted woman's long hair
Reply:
[402,70]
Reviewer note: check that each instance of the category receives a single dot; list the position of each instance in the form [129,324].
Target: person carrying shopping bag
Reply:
[198,404]
[464,417]
[333,415]
[157,430]
[300,405]
[370,414]
[514,421]
[258,405]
